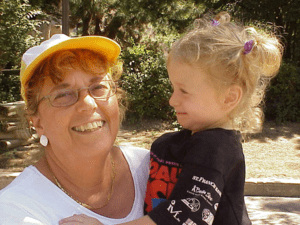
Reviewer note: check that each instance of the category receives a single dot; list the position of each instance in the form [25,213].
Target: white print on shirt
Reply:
[192,203]
[207,216]
[201,196]
[206,196]
[189,222]
[216,206]
[198,190]
[204,181]
[170,209]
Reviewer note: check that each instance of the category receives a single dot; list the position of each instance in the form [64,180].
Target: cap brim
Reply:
[102,45]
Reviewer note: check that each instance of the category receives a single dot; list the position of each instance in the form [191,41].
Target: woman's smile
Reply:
[89,127]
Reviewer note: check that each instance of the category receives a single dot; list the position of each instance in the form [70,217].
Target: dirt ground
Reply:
[274,153]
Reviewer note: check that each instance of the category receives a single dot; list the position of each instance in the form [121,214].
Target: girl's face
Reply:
[84,128]
[194,98]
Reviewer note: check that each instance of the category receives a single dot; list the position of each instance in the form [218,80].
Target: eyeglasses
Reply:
[67,97]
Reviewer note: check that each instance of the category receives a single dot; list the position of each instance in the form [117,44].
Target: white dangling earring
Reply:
[44,140]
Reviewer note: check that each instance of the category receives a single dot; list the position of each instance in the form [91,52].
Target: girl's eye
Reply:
[183,91]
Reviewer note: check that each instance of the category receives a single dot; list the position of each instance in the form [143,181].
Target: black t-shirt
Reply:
[197,179]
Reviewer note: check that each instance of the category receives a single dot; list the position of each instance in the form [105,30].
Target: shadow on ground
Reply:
[273,131]
[15,160]
[263,210]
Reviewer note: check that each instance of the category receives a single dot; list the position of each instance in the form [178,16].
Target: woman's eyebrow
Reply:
[60,86]
[66,85]
[94,79]
[98,78]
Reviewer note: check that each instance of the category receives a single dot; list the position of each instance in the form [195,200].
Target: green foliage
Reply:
[51,7]
[280,16]
[130,19]
[283,96]
[146,82]
[17,31]
[9,88]
[282,13]
[139,26]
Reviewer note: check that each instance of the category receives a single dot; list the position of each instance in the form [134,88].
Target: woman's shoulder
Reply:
[134,152]
[22,181]
[136,157]
[138,160]
[16,199]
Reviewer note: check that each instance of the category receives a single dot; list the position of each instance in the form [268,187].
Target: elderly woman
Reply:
[73,102]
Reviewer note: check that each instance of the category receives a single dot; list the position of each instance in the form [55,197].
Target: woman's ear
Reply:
[232,97]
[36,122]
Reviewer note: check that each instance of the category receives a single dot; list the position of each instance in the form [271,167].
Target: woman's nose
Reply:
[86,102]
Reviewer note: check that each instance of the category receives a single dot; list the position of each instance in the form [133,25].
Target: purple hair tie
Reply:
[248,47]
[215,23]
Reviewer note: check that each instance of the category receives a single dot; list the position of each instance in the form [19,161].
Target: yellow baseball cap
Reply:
[35,55]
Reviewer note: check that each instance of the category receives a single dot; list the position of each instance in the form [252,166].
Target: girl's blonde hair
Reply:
[217,46]
[56,66]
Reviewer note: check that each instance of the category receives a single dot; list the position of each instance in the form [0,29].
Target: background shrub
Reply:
[145,79]
[10,86]
[283,96]
[146,82]
[17,31]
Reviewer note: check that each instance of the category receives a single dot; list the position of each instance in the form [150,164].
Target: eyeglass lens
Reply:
[67,97]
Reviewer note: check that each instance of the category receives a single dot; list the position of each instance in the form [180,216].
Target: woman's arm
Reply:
[145,220]
[86,220]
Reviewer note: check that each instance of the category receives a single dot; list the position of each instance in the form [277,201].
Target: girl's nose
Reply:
[173,101]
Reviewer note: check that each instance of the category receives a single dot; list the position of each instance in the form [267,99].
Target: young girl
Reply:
[219,72]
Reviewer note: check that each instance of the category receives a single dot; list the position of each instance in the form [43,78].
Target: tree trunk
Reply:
[288,52]
[97,26]
[86,25]
[113,27]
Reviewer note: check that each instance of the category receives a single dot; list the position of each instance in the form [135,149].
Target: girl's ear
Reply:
[232,97]
[36,122]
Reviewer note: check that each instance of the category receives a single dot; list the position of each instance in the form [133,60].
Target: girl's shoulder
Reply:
[218,136]
[175,137]
[217,144]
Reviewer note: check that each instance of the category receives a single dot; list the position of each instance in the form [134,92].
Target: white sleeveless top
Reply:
[33,199]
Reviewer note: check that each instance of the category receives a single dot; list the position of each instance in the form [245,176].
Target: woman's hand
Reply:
[79,220]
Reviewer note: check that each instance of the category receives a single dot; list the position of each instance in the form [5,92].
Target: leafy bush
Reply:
[146,82]
[17,31]
[283,96]
[9,87]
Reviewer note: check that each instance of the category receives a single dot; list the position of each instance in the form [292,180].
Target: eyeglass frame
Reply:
[77,94]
